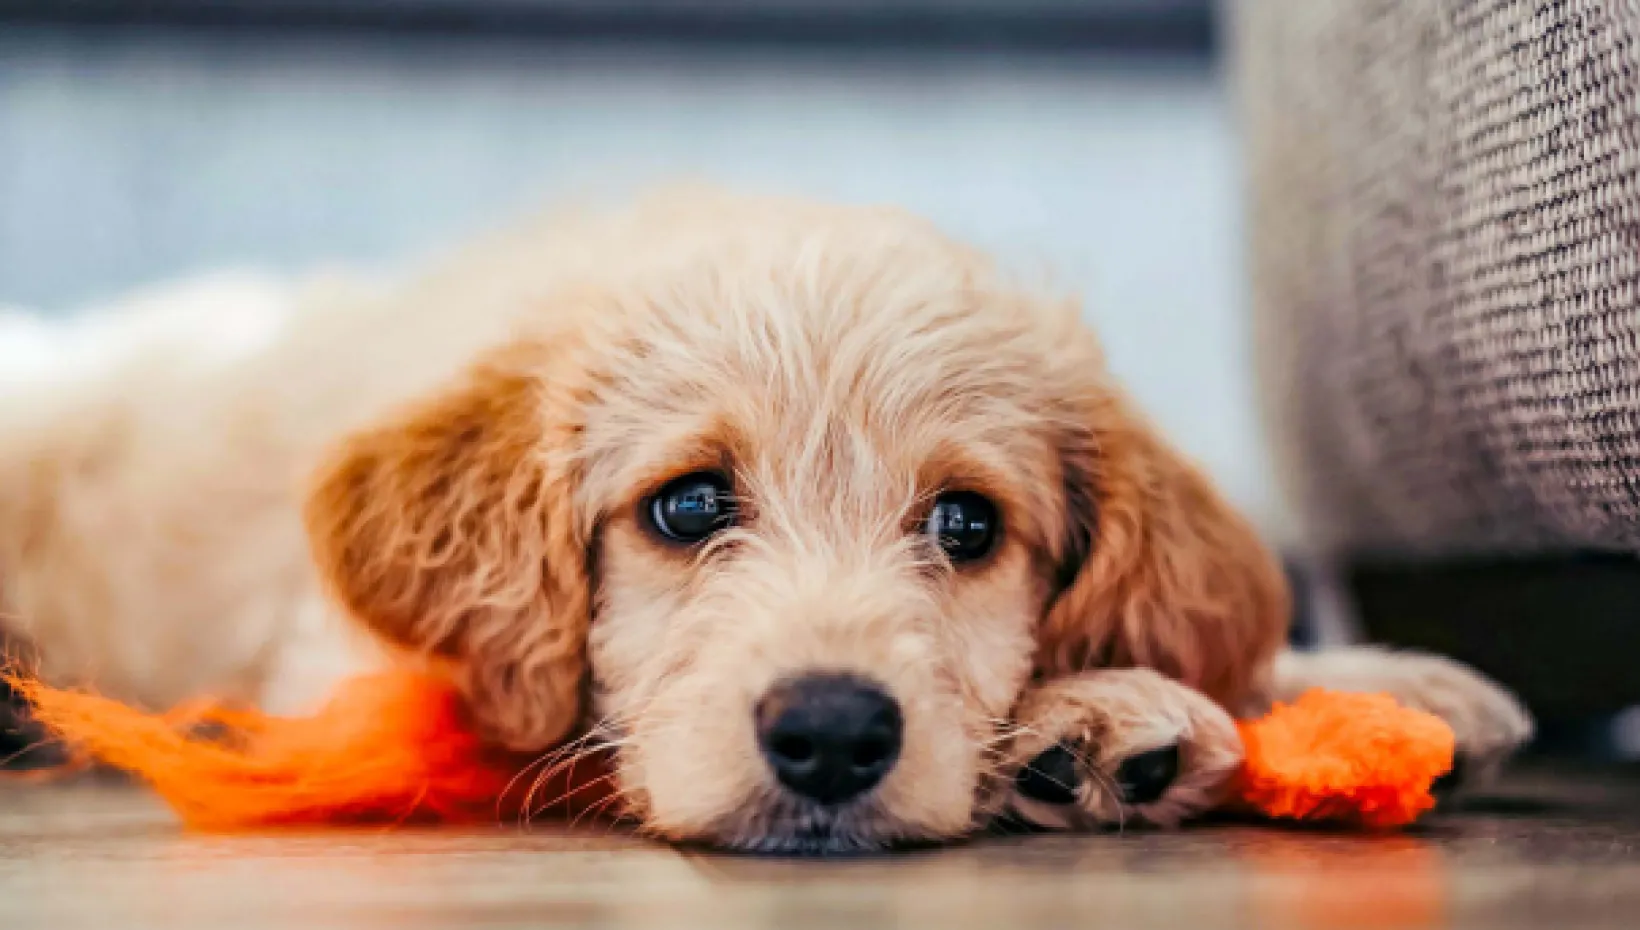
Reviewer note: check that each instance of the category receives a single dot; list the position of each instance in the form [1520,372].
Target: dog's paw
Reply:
[1489,723]
[1118,747]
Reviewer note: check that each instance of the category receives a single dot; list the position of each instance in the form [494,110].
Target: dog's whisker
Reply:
[564,766]
[546,758]
[531,807]
[501,799]
[568,794]
[554,762]
[599,808]
[601,738]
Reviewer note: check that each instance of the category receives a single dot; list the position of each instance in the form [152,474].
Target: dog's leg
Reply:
[1118,746]
[1490,724]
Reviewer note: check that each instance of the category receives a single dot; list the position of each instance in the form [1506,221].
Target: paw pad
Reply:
[1052,777]
[1145,777]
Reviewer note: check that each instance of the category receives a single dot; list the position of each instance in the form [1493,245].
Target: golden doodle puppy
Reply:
[837,538]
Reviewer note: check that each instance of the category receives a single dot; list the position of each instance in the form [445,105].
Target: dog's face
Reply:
[790,520]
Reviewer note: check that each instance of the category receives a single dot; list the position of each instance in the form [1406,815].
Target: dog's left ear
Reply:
[449,531]
[1158,570]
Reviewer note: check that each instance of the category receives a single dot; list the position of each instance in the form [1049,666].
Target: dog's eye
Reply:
[693,507]
[964,524]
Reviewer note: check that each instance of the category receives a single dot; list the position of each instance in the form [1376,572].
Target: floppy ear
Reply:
[1159,571]
[448,531]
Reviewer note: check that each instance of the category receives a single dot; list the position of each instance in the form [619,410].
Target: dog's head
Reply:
[790,516]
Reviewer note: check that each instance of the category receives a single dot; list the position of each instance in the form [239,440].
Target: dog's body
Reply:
[153,473]
[251,489]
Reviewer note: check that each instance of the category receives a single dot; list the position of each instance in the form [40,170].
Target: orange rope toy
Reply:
[396,747]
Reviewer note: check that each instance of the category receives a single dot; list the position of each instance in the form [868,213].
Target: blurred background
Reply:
[1084,140]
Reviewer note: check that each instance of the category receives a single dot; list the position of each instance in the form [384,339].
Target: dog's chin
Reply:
[786,826]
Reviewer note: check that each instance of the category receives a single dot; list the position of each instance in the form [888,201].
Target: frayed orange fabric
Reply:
[1355,759]
[387,748]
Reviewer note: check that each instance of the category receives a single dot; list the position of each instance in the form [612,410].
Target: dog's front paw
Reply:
[1119,746]
[1490,724]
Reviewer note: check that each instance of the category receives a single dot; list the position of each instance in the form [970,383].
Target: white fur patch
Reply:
[199,323]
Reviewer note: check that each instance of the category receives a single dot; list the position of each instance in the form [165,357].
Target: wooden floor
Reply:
[1546,851]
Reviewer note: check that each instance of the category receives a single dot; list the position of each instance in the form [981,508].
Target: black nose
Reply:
[829,737]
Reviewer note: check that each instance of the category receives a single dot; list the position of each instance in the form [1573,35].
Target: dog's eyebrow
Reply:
[631,450]
[974,464]
[713,448]
[980,469]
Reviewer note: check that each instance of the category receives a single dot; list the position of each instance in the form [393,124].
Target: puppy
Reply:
[818,523]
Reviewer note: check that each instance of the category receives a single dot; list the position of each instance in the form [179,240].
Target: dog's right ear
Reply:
[1159,570]
[449,531]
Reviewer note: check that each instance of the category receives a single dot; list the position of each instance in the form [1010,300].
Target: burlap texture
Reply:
[1444,221]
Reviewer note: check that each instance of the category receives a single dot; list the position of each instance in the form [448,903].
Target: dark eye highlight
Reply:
[691,509]
[964,524]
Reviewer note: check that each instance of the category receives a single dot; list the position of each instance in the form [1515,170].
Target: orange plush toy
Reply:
[396,747]
[1356,759]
